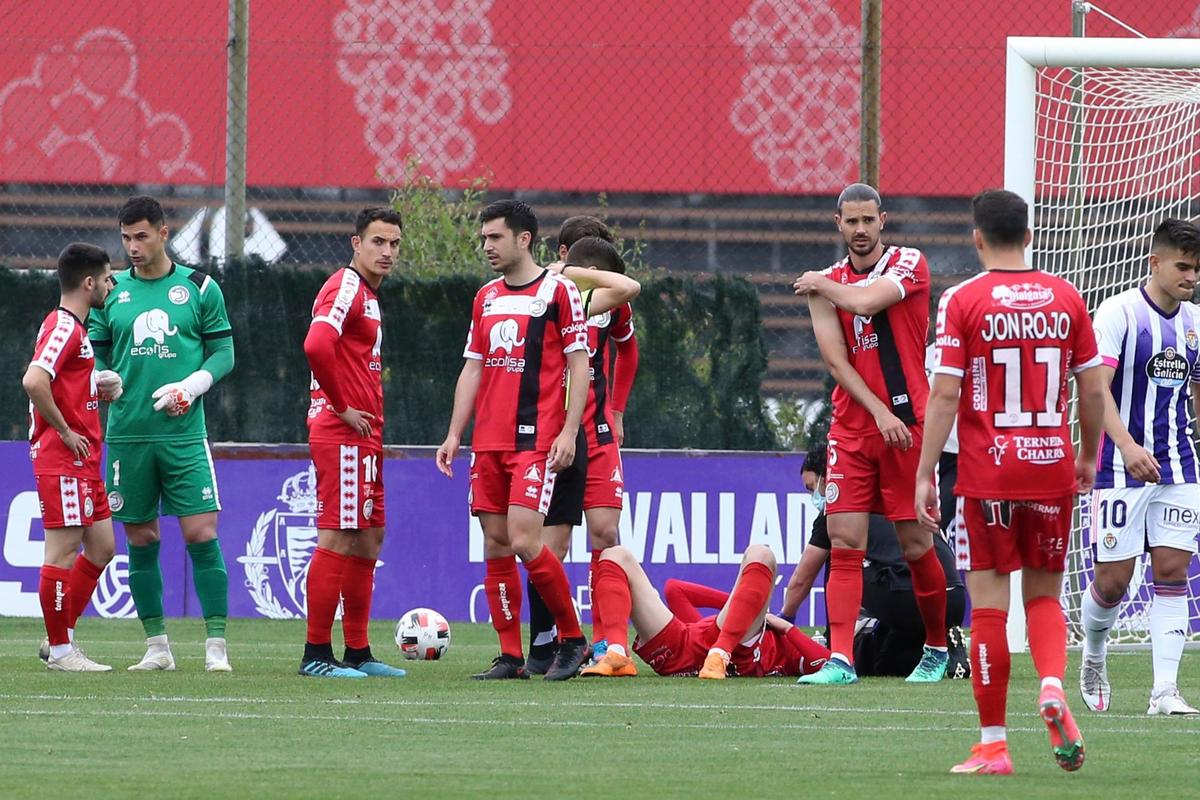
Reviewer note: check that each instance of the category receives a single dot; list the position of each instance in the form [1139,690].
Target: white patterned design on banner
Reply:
[799,104]
[422,73]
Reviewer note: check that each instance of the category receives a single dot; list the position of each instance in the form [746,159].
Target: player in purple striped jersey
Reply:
[1147,492]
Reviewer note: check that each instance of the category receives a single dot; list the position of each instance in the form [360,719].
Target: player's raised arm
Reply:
[573,327]
[867,301]
[595,264]
[832,345]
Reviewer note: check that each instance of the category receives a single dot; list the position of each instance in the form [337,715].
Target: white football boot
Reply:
[75,661]
[215,657]
[1093,685]
[1168,702]
[158,656]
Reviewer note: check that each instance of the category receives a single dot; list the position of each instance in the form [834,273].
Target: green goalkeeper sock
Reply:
[212,585]
[146,587]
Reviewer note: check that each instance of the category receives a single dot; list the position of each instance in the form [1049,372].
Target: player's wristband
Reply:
[791,618]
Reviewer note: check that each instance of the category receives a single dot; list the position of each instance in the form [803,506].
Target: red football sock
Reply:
[597,614]
[809,654]
[990,664]
[84,576]
[685,599]
[612,593]
[502,585]
[929,585]
[747,601]
[547,574]
[358,583]
[1047,626]
[843,598]
[54,592]
[323,590]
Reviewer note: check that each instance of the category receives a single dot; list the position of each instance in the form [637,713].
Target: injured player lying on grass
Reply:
[674,639]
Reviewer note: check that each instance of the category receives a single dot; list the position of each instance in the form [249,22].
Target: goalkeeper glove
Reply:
[109,385]
[176,398]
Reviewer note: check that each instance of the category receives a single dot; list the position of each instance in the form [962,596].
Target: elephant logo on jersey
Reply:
[504,337]
[153,324]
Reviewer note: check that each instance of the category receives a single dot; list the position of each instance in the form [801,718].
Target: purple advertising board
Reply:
[687,515]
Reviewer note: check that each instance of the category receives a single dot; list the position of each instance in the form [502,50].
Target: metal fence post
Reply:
[872,34]
[235,127]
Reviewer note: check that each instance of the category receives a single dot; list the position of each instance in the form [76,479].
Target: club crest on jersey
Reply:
[999,445]
[1110,541]
[537,307]
[178,295]
[1168,369]
[88,506]
[115,501]
[832,493]
[1023,296]
[368,508]
[152,325]
[533,475]
[1192,340]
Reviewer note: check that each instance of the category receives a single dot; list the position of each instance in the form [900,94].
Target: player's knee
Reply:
[619,554]
[761,554]
[604,538]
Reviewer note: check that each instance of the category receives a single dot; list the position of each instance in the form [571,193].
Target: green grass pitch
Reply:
[263,731]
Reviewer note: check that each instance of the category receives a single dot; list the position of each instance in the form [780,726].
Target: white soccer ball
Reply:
[423,635]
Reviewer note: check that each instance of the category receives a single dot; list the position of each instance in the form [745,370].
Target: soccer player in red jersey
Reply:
[1008,338]
[65,390]
[597,268]
[673,637]
[528,331]
[870,314]
[345,434]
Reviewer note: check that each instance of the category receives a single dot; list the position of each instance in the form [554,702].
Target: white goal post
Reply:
[1102,139]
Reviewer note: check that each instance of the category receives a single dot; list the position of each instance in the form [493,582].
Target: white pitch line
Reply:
[582,704]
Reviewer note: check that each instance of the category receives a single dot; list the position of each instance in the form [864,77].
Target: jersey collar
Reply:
[1154,306]
[362,278]
[72,313]
[134,275]
[543,274]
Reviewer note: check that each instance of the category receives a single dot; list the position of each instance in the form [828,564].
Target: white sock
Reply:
[618,649]
[1097,619]
[993,733]
[59,650]
[71,635]
[1168,631]
[1055,682]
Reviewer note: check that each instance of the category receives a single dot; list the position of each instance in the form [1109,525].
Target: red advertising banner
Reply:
[728,96]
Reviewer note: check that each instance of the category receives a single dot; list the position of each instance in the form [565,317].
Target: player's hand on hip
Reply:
[562,452]
[174,398]
[1140,463]
[358,421]
[895,433]
[109,385]
[445,456]
[1085,474]
[619,427]
[76,443]
[927,505]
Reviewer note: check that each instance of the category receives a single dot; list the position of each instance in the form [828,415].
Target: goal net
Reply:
[1115,138]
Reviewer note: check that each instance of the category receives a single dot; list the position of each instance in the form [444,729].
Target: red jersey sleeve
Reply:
[58,339]
[474,348]
[950,357]
[571,321]
[334,306]
[909,271]
[623,331]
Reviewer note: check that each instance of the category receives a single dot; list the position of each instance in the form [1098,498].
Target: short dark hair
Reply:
[575,228]
[859,193]
[1001,217]
[1179,234]
[378,214]
[518,216]
[77,261]
[592,251]
[141,207]
[815,458]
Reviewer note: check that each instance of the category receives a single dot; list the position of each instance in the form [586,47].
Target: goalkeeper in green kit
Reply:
[165,331]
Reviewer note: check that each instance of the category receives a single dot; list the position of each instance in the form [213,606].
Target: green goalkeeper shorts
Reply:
[147,480]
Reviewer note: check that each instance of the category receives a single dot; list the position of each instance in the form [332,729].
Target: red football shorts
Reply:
[500,480]
[71,502]
[349,485]
[680,647]
[1006,535]
[864,474]
[605,478]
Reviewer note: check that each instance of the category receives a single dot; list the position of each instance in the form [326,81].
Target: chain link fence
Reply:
[719,130]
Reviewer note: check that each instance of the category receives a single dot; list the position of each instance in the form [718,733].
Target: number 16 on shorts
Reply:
[349,486]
